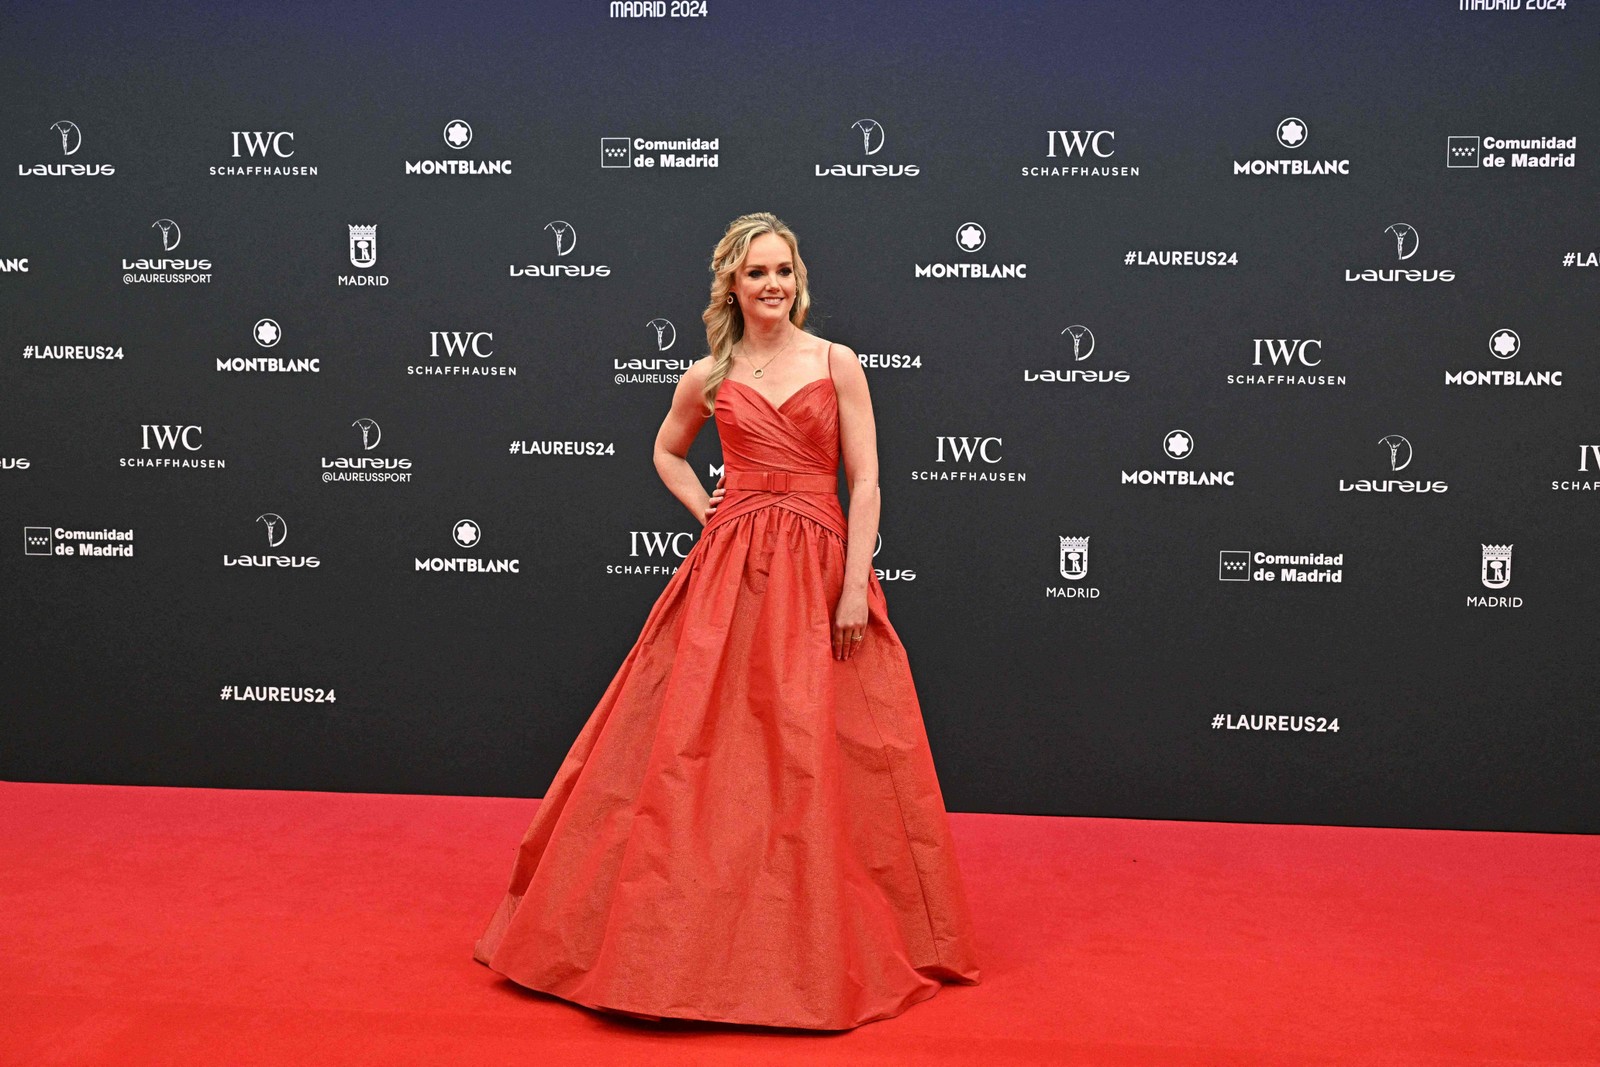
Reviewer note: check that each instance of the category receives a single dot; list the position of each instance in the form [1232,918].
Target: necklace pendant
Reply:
[758,371]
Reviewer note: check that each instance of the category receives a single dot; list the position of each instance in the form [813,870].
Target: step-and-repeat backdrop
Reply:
[1234,367]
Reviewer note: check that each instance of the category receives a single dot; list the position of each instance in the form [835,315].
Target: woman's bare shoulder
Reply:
[698,371]
[839,356]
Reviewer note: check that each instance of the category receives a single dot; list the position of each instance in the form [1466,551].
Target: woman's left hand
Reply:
[849,620]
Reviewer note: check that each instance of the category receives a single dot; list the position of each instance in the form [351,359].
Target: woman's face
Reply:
[764,283]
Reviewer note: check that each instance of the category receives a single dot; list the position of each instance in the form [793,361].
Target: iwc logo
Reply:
[176,439]
[1296,356]
[1587,455]
[652,546]
[1080,154]
[968,452]
[456,353]
[272,147]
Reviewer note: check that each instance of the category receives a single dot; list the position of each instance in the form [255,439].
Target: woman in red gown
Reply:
[749,829]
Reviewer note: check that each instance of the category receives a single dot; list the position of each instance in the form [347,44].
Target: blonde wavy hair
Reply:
[724,321]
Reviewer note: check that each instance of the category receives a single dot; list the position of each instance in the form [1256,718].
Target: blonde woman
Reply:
[749,828]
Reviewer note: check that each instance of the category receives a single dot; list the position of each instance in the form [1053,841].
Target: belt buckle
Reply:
[778,481]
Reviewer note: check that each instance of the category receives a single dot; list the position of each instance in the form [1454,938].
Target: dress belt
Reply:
[771,481]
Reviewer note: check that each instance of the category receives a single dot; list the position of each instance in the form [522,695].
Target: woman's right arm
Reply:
[678,430]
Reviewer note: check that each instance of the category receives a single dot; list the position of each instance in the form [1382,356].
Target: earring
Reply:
[730,298]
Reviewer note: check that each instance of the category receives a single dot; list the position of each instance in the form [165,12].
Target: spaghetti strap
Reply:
[827,358]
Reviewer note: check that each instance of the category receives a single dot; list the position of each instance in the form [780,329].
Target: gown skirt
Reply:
[747,830]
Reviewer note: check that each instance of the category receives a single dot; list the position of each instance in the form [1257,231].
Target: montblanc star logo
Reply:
[1505,344]
[970,237]
[1292,133]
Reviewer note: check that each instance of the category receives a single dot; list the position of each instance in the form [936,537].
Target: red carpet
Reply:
[234,927]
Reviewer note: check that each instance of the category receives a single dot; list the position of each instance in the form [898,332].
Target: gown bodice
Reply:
[801,436]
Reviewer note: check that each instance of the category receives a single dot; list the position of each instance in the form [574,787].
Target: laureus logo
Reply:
[1399,451]
[71,136]
[367,468]
[1406,239]
[873,138]
[277,528]
[666,333]
[1082,348]
[171,235]
[566,236]
[1082,342]
[71,139]
[277,533]
[166,269]
[871,135]
[371,433]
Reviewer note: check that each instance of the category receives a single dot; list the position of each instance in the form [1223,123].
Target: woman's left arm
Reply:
[858,439]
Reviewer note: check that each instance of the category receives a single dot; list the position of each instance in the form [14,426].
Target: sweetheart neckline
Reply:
[776,407]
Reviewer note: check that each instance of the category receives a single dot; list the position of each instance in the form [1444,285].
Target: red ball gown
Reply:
[748,830]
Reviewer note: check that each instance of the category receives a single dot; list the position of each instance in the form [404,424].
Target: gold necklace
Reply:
[762,369]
